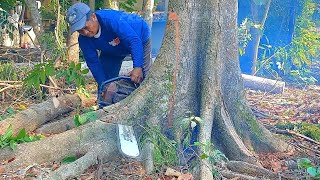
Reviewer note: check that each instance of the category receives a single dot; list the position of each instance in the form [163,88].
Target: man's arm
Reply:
[92,60]
[131,40]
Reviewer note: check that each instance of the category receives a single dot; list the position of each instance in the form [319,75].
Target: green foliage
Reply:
[6,24]
[73,73]
[310,130]
[213,155]
[164,148]
[7,72]
[39,74]
[244,35]
[284,126]
[312,170]
[41,71]
[7,4]
[295,59]
[49,42]
[82,90]
[82,119]
[8,113]
[69,159]
[8,139]
[128,5]
[50,11]
[305,44]
[186,126]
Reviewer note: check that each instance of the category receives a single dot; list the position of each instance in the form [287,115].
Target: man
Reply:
[115,34]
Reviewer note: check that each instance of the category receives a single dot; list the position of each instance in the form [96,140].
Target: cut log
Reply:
[263,84]
[36,115]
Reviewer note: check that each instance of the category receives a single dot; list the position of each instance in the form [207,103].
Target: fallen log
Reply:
[263,84]
[38,114]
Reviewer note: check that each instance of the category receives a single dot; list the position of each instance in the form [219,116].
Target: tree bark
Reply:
[92,4]
[73,51]
[36,17]
[256,33]
[39,114]
[77,142]
[197,71]
[147,8]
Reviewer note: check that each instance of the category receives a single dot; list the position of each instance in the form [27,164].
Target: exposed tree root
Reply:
[39,114]
[63,124]
[102,152]
[250,169]
[57,126]
[78,141]
[233,175]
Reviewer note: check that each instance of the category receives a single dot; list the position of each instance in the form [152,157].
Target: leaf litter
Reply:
[294,106]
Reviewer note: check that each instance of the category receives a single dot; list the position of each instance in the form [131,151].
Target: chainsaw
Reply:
[102,92]
[128,145]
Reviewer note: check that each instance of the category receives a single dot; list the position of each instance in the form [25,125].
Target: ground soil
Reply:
[294,105]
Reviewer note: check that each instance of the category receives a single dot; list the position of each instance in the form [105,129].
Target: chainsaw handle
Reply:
[113,79]
[101,88]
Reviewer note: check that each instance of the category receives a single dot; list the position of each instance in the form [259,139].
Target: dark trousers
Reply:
[112,64]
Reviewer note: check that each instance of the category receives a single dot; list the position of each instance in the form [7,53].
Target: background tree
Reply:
[73,52]
[147,10]
[92,5]
[36,21]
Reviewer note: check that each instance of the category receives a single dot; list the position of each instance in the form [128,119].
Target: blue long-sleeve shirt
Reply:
[121,34]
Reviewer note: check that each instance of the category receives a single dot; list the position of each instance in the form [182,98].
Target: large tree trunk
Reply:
[197,71]
[36,17]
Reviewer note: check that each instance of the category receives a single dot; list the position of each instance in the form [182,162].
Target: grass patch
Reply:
[164,148]
[310,130]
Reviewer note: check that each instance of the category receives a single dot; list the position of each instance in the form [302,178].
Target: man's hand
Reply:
[136,75]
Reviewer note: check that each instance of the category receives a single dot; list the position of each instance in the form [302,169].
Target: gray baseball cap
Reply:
[77,16]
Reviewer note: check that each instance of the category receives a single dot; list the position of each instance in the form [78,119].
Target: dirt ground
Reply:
[294,105]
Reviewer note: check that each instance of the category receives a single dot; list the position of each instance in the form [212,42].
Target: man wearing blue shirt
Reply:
[107,37]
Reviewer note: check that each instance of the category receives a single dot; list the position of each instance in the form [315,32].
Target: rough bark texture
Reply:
[197,71]
[39,114]
[250,169]
[197,58]
[36,18]
[73,52]
[82,142]
[147,8]
[62,125]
